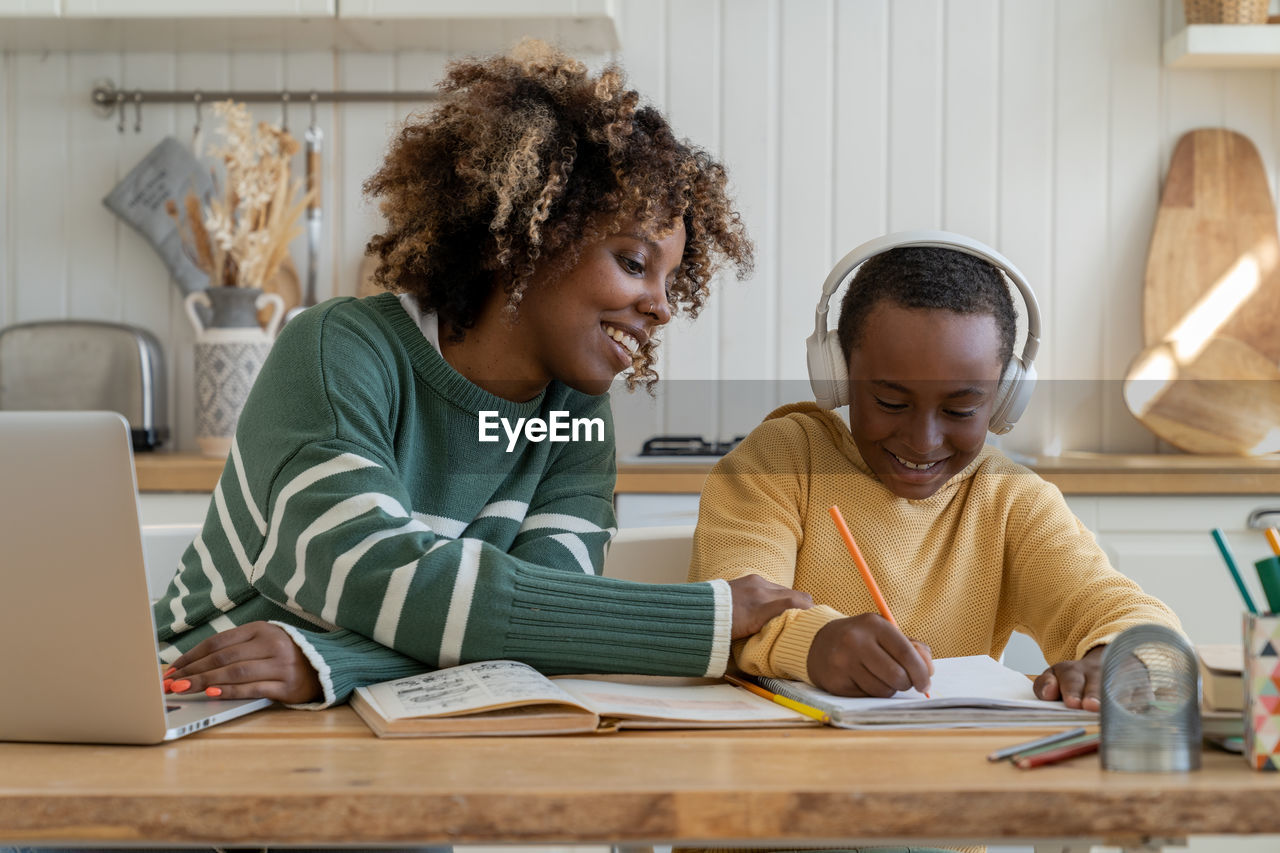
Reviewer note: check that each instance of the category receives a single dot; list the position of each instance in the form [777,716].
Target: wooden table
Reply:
[290,777]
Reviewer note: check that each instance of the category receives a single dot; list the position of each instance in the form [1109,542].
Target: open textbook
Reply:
[510,698]
[965,692]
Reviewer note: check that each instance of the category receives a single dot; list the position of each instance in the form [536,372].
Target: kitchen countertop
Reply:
[1073,473]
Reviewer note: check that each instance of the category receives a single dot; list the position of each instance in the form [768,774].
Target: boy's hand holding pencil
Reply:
[867,655]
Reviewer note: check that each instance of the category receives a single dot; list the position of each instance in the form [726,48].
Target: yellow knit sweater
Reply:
[996,549]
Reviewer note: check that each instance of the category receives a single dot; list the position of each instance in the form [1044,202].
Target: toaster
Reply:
[85,364]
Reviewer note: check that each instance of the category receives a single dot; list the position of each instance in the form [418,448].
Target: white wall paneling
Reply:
[916,62]
[806,117]
[1041,126]
[643,27]
[1134,173]
[7,166]
[694,94]
[749,139]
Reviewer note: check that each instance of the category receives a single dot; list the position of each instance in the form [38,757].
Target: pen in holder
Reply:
[1261,690]
[1150,702]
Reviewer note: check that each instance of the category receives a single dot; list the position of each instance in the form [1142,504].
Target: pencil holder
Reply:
[1261,690]
[1150,702]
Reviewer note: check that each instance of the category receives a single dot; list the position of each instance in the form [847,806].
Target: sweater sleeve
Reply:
[750,521]
[322,533]
[1061,587]
[571,518]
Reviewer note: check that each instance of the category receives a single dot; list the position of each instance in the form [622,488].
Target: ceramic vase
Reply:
[229,351]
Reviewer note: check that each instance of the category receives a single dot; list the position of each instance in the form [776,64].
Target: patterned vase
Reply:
[230,349]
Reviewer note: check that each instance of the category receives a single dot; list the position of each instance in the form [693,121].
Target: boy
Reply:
[966,545]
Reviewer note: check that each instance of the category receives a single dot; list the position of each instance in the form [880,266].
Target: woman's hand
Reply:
[756,601]
[867,655]
[1078,683]
[256,660]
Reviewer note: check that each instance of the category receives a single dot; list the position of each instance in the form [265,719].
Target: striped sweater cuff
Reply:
[562,622]
[723,634]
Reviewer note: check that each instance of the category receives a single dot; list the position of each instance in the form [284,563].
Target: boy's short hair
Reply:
[527,158]
[928,277]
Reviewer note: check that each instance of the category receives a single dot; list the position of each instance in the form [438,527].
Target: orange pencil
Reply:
[1274,539]
[863,568]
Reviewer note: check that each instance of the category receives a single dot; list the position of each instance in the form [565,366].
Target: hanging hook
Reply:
[315,97]
[196,140]
[284,111]
[120,108]
[137,111]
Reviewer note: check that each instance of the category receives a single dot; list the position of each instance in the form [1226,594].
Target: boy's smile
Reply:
[922,383]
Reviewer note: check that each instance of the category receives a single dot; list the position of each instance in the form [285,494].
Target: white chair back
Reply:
[651,554]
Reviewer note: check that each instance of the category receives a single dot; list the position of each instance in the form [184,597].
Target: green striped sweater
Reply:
[359,510]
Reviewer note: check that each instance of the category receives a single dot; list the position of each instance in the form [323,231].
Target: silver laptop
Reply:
[78,654]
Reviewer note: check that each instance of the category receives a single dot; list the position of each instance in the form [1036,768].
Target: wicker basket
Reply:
[1226,11]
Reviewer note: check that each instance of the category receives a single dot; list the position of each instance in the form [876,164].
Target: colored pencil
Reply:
[1010,751]
[1273,538]
[784,701]
[863,568]
[1225,551]
[1071,741]
[1062,753]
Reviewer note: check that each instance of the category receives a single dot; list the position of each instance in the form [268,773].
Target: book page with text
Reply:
[465,689]
[708,703]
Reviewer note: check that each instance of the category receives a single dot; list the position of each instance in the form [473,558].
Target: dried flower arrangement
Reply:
[241,237]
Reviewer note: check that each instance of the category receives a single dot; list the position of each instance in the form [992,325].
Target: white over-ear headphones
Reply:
[828,371]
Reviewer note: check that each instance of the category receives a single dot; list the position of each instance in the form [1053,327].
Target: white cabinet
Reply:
[582,26]
[170,520]
[197,8]
[655,510]
[1163,543]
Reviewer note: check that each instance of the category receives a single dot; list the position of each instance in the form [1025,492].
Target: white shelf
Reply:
[580,26]
[1224,46]
[198,8]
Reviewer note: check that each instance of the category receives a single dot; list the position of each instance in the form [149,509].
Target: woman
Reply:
[424,478]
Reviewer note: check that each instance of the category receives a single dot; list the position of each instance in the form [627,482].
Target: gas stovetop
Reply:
[685,446]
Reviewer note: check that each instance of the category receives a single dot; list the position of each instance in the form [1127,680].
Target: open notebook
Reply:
[966,692]
[505,697]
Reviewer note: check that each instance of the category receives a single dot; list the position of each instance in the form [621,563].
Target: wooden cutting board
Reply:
[1207,380]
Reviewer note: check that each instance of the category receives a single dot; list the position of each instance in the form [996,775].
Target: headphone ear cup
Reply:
[1012,397]
[828,375]
[839,373]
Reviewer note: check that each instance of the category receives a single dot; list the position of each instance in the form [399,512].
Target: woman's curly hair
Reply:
[526,160]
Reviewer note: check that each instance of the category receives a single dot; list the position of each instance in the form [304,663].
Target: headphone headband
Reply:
[826,361]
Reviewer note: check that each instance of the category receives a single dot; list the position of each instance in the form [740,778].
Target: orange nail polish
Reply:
[168,685]
[170,671]
[215,692]
[181,685]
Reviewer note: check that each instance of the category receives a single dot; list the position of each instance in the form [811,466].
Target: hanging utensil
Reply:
[314,139]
